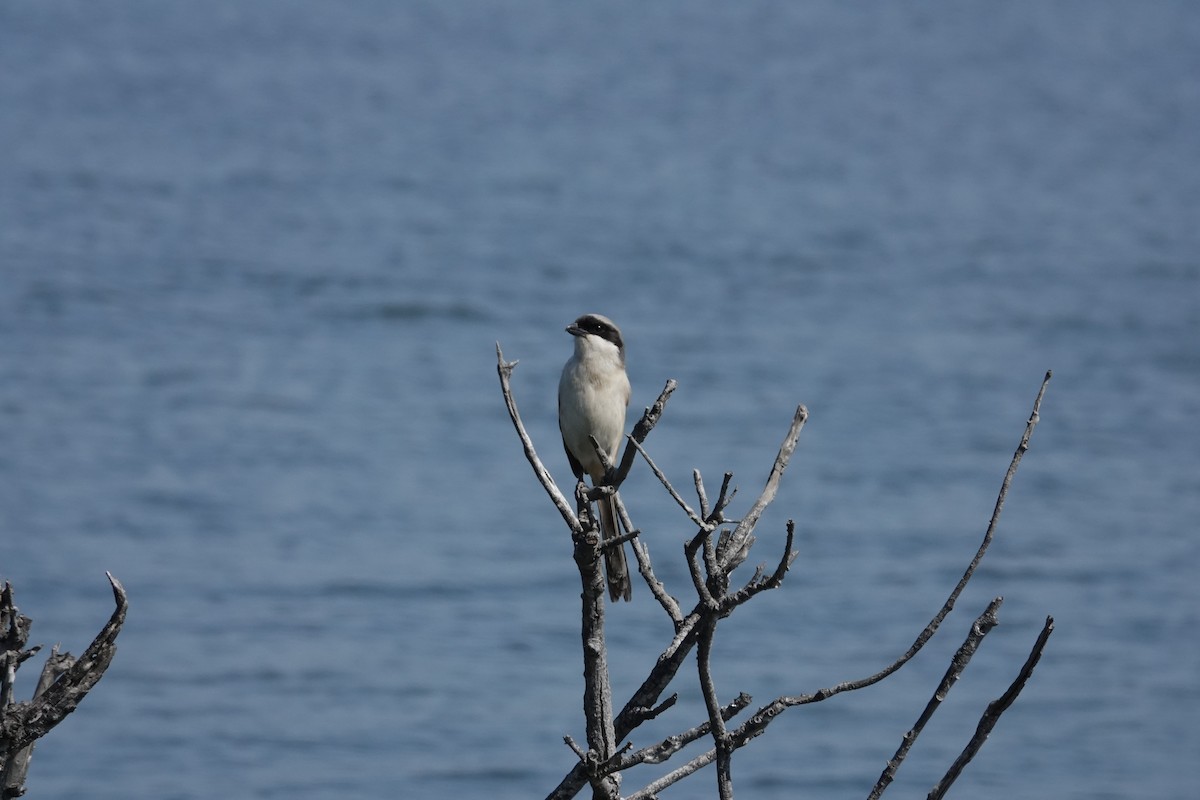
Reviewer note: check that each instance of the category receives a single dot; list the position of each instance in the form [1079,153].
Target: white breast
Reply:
[593,394]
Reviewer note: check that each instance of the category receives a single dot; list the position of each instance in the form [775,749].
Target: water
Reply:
[255,259]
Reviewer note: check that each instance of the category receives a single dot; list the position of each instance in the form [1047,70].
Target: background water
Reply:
[255,257]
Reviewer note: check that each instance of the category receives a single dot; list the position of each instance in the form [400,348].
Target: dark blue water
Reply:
[254,260]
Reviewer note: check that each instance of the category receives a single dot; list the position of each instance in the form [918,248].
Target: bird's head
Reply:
[597,333]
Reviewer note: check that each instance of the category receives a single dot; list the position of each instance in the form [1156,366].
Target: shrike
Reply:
[593,394]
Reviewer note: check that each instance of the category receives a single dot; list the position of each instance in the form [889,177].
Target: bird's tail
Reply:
[620,587]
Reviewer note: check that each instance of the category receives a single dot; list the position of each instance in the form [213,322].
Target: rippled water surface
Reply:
[255,258]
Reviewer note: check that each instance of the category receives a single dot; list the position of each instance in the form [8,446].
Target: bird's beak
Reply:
[574,330]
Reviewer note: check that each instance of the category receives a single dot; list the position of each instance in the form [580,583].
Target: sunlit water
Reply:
[255,259]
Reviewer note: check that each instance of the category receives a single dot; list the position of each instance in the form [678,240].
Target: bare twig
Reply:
[700,493]
[645,714]
[723,499]
[617,541]
[1022,447]
[642,429]
[651,790]
[505,369]
[642,553]
[758,583]
[992,714]
[702,540]
[658,473]
[605,461]
[930,629]
[737,550]
[980,628]
[661,751]
[570,742]
[668,603]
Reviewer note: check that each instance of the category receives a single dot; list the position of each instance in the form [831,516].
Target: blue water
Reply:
[255,259]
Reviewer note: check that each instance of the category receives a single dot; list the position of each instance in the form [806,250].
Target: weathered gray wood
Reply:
[63,684]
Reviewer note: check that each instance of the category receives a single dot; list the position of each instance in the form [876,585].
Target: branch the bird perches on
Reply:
[712,555]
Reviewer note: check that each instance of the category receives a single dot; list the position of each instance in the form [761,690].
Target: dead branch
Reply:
[641,552]
[740,540]
[1022,447]
[505,369]
[642,428]
[660,752]
[63,684]
[979,629]
[658,473]
[992,714]
[12,782]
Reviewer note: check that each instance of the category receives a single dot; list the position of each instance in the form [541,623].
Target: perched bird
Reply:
[593,394]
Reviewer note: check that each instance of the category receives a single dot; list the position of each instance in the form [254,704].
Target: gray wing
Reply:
[576,467]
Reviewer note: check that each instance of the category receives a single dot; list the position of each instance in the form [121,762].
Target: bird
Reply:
[593,394]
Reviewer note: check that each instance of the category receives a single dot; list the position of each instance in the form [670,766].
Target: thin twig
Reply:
[1022,447]
[602,455]
[717,581]
[746,526]
[658,473]
[570,742]
[723,499]
[701,541]
[618,541]
[979,629]
[941,614]
[992,714]
[661,751]
[642,553]
[645,714]
[642,428]
[757,583]
[700,493]
[651,790]
[505,369]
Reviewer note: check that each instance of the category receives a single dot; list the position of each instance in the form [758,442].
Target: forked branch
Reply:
[63,685]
